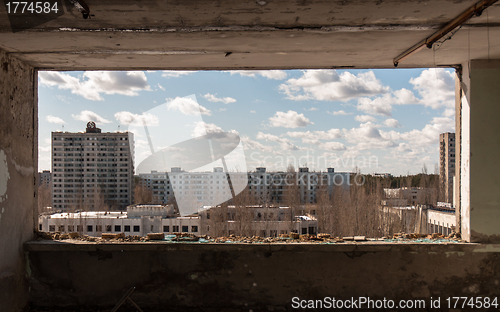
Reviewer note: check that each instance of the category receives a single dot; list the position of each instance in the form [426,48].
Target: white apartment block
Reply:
[447,164]
[212,188]
[91,170]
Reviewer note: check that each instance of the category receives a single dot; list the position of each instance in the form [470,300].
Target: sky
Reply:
[375,121]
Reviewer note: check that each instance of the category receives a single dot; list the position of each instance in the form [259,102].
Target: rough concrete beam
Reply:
[18,167]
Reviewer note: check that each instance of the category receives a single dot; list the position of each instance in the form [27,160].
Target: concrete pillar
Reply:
[480,153]
[18,175]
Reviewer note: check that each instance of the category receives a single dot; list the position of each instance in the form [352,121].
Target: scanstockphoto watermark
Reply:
[310,179]
[279,161]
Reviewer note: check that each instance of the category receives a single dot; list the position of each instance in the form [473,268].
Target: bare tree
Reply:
[291,194]
[44,197]
[142,195]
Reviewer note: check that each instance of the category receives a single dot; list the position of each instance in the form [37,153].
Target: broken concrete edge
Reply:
[82,246]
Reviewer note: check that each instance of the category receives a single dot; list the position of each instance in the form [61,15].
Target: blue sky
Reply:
[376,120]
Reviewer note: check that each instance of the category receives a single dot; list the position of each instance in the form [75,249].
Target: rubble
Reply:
[322,238]
[156,236]
[113,235]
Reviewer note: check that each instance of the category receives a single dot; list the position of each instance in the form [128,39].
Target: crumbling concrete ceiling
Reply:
[259,34]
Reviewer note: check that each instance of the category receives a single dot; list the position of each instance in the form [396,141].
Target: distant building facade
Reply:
[202,188]
[424,219]
[211,188]
[44,178]
[255,220]
[447,164]
[137,220]
[143,219]
[406,196]
[91,169]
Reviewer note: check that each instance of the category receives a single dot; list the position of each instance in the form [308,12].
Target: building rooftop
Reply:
[90,214]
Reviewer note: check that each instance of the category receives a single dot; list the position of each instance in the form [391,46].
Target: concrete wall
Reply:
[18,168]
[480,165]
[259,277]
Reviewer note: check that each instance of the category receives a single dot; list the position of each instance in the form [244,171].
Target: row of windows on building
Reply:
[81,149]
[90,139]
[118,228]
[89,170]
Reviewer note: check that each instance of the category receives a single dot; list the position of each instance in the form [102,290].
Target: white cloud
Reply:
[377,106]
[53,119]
[90,116]
[383,105]
[93,83]
[269,74]
[365,118]
[328,85]
[368,136]
[428,135]
[332,146]
[187,106]
[340,112]
[176,73]
[285,144]
[449,112]
[314,137]
[126,118]
[250,144]
[213,98]
[436,86]
[391,122]
[312,109]
[160,86]
[290,119]
[202,128]
[253,112]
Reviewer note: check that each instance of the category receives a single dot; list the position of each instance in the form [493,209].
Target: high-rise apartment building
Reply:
[92,170]
[447,164]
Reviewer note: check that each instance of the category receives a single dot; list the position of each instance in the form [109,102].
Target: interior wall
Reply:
[481,124]
[18,168]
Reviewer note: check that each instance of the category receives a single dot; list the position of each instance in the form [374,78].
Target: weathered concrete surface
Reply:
[194,277]
[155,34]
[484,151]
[18,161]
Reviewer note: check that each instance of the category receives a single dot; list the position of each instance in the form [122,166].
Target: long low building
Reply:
[94,223]
[424,219]
[143,219]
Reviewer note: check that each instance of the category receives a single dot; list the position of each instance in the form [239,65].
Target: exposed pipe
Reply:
[476,9]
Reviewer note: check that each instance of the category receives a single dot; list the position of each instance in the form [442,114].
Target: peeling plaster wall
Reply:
[18,166]
[483,109]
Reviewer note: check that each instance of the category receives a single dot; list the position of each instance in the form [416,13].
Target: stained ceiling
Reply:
[253,35]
